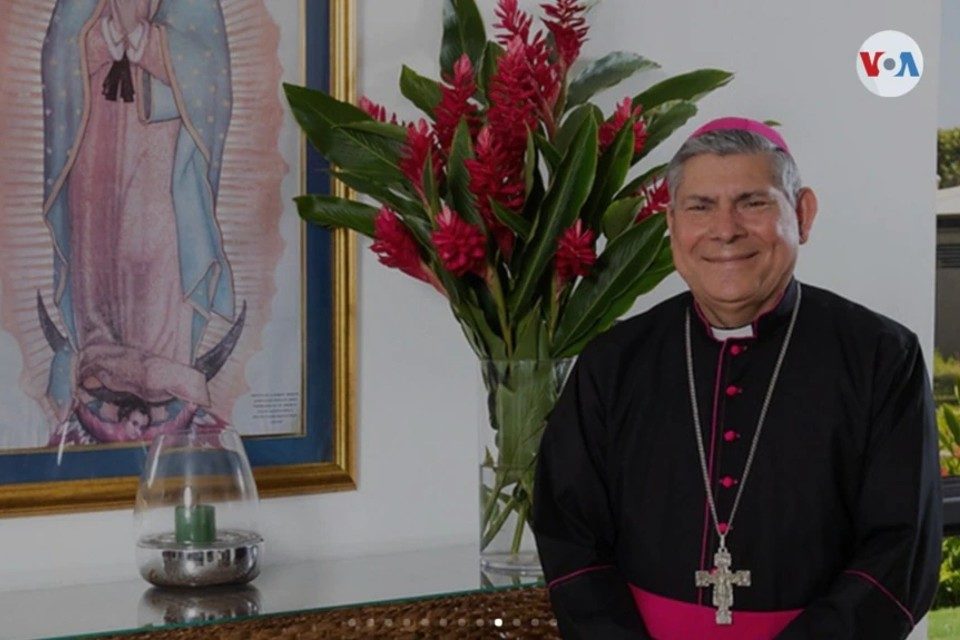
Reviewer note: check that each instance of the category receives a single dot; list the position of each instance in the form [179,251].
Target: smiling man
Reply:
[755,458]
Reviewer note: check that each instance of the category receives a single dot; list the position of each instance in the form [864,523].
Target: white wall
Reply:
[871,160]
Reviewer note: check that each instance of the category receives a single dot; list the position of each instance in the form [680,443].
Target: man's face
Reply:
[733,233]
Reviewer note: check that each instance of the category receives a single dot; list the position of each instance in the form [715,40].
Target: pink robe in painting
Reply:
[133,323]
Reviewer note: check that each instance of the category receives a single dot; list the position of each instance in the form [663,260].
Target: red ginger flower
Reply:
[395,246]
[655,199]
[609,129]
[531,64]
[462,247]
[455,103]
[514,97]
[376,111]
[513,21]
[421,141]
[498,169]
[495,174]
[569,28]
[575,253]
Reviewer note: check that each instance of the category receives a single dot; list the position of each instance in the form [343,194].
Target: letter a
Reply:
[907,63]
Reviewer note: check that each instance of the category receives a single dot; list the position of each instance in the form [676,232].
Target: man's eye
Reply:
[753,204]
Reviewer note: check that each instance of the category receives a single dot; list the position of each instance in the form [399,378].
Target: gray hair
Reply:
[727,142]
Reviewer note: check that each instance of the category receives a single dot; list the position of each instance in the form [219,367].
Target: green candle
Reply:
[195,523]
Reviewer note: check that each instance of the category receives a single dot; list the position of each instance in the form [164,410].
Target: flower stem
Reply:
[521,523]
[494,496]
[554,308]
[491,531]
[496,290]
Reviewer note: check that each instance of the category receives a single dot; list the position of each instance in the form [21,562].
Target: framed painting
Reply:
[153,272]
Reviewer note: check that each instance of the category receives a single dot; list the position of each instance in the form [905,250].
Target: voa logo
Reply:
[889,63]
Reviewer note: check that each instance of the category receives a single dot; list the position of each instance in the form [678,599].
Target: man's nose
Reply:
[726,225]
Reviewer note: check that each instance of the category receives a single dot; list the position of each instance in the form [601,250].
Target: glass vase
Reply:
[519,396]
[196,511]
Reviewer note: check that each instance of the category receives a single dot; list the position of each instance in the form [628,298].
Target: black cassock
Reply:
[840,518]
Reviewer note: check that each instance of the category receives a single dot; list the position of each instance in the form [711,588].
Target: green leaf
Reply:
[662,267]
[687,86]
[568,191]
[368,146]
[572,123]
[462,33]
[528,334]
[361,152]
[458,178]
[648,176]
[381,193]
[612,168]
[664,122]
[473,315]
[520,397]
[377,128]
[619,215]
[529,214]
[421,91]
[518,224]
[487,67]
[529,165]
[332,213]
[550,153]
[306,101]
[430,189]
[604,73]
[421,228]
[479,348]
[622,263]
[484,341]
[483,299]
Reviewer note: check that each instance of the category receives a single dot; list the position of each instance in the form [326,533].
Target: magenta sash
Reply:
[668,619]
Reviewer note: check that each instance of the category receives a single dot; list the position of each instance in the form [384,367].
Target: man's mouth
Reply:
[730,259]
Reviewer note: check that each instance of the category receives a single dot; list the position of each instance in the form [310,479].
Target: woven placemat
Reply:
[514,613]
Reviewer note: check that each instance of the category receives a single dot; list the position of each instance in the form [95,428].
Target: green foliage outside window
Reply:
[948,157]
[946,374]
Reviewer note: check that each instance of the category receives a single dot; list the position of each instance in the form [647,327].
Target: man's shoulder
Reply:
[847,316]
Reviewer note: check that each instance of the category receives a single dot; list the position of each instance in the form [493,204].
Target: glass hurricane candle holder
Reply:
[196,511]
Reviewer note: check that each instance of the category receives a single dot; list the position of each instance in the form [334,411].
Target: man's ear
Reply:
[806,212]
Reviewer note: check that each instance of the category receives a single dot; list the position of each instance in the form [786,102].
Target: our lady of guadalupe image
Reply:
[160,210]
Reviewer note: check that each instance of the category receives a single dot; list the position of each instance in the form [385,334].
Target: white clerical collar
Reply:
[746,331]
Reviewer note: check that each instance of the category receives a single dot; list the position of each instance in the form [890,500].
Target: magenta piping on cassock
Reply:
[876,583]
[579,572]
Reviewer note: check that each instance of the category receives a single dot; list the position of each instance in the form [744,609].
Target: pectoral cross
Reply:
[723,580]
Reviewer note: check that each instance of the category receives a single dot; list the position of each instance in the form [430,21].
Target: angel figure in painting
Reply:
[137,103]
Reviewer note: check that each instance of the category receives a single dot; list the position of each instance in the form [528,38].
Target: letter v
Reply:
[871,66]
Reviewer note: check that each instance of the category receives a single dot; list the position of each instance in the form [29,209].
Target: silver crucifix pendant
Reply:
[723,580]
